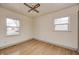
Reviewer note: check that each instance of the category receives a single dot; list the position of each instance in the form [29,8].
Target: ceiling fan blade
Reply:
[27,5]
[37,5]
[36,11]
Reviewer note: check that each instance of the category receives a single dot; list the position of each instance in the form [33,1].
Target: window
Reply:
[12,26]
[62,24]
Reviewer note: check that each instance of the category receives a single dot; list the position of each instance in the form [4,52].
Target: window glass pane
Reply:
[11,22]
[63,20]
[12,31]
[61,27]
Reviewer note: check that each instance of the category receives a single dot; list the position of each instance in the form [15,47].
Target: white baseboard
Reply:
[12,44]
[58,45]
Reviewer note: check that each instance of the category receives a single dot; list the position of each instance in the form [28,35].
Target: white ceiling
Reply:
[43,9]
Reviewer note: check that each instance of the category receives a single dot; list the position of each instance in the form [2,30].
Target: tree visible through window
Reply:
[12,26]
[62,24]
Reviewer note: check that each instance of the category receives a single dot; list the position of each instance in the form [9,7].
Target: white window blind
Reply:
[62,24]
[12,26]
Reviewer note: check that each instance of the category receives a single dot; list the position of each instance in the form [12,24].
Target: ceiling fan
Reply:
[33,7]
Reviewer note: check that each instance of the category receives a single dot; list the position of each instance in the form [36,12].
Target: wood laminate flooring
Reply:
[35,47]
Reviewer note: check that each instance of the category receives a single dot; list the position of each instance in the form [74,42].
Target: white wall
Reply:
[41,28]
[25,32]
[44,28]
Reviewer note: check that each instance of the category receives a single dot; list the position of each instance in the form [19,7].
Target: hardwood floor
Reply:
[35,47]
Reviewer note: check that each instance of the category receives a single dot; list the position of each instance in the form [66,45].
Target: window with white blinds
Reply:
[13,26]
[61,24]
